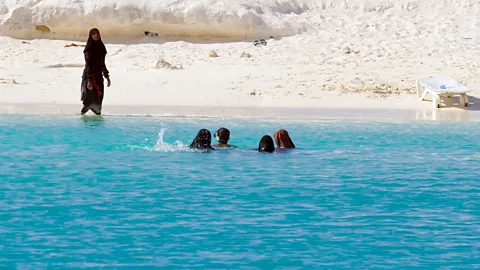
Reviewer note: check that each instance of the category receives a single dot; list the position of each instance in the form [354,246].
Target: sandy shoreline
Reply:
[380,114]
[358,64]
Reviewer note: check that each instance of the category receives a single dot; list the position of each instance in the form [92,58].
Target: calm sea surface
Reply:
[125,192]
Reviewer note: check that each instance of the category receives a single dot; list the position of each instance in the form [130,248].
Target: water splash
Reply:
[161,145]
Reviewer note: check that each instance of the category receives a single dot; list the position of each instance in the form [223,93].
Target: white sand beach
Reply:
[320,55]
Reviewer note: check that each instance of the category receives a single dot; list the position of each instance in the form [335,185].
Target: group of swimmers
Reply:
[203,140]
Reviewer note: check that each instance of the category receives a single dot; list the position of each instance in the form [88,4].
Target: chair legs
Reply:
[421,91]
[464,100]
[436,101]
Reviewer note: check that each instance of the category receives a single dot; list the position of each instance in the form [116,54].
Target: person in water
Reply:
[203,140]
[266,144]
[282,139]
[223,135]
[93,73]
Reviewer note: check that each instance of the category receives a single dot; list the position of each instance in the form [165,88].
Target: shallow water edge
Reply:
[443,114]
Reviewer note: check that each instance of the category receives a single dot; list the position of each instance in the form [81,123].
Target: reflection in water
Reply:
[443,115]
[93,120]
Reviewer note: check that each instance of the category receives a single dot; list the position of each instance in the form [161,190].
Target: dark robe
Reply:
[94,71]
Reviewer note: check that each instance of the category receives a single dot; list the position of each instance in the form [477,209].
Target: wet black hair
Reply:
[266,144]
[203,140]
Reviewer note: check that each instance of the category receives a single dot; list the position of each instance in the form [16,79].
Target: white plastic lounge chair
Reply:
[441,87]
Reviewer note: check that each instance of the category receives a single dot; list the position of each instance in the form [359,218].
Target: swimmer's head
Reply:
[282,139]
[266,144]
[202,140]
[222,135]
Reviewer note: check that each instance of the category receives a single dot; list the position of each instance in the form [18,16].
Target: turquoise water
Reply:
[124,192]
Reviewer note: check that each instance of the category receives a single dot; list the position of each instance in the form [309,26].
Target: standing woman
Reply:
[95,69]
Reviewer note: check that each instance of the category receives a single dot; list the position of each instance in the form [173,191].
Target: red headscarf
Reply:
[282,139]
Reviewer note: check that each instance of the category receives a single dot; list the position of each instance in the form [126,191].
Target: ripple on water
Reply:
[127,192]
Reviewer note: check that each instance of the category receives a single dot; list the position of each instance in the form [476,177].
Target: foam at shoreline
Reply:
[280,114]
